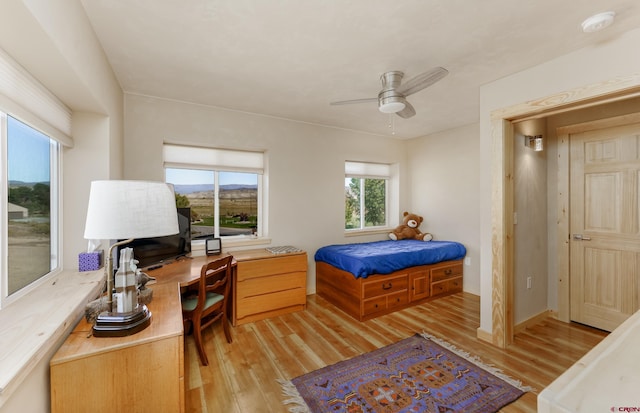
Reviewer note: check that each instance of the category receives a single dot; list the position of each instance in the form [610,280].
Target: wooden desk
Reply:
[145,371]
[141,372]
[264,284]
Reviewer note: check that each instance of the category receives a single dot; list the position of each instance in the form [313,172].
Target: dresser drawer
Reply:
[270,284]
[383,303]
[271,266]
[397,300]
[390,285]
[269,302]
[452,285]
[446,271]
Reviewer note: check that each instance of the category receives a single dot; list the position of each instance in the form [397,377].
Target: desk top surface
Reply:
[186,270]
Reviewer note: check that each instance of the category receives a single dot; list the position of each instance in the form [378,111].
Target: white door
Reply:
[604,235]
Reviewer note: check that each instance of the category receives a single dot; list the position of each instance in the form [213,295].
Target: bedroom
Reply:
[105,120]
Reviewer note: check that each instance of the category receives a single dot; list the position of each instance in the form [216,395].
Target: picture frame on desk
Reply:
[213,246]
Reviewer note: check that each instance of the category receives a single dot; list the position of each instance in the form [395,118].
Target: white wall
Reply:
[305,163]
[54,42]
[606,60]
[531,230]
[444,189]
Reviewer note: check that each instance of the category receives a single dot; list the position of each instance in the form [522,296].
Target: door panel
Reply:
[603,188]
[604,241]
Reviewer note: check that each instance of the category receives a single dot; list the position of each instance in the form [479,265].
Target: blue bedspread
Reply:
[384,257]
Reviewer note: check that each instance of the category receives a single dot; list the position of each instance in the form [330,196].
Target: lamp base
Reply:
[122,324]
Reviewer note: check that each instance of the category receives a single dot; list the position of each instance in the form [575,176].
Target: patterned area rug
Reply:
[417,374]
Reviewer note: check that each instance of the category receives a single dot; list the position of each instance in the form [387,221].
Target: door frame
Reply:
[502,190]
[564,177]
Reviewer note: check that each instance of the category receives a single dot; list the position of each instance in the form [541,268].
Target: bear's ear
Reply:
[405,214]
[421,219]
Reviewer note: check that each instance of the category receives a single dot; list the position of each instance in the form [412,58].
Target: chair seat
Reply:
[189,303]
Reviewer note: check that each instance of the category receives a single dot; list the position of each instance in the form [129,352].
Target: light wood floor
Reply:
[241,376]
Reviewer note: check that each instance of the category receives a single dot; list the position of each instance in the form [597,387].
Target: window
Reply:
[222,187]
[34,125]
[31,159]
[366,195]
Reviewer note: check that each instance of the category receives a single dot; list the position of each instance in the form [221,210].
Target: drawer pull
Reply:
[448,271]
[387,286]
[376,305]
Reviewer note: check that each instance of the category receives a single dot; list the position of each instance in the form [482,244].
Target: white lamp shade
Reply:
[130,209]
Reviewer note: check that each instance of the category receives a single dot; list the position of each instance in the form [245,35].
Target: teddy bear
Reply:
[409,229]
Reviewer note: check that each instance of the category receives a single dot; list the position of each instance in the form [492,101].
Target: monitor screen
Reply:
[158,250]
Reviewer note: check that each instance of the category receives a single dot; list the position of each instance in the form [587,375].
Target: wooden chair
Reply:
[207,304]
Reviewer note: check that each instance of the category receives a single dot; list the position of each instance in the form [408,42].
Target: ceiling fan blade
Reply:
[348,102]
[421,81]
[407,112]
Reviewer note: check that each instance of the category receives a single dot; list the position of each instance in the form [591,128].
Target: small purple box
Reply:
[90,261]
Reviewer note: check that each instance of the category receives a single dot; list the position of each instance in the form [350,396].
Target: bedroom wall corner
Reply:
[443,187]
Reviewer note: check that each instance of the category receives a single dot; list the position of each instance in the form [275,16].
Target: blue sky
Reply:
[28,153]
[195,176]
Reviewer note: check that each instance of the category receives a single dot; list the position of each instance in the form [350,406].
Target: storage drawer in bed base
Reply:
[376,295]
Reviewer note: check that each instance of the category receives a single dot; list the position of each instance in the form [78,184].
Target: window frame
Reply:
[252,162]
[364,171]
[55,212]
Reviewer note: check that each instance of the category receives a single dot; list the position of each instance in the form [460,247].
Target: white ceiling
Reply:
[290,58]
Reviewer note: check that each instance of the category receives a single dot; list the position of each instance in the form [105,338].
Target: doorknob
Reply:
[580,237]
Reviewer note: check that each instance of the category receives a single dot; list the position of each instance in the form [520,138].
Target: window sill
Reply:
[31,326]
[360,232]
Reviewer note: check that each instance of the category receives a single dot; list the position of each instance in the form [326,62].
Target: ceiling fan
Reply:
[392,97]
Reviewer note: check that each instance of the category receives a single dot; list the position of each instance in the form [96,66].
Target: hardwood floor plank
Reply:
[242,376]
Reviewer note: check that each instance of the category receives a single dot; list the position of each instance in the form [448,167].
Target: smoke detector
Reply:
[598,22]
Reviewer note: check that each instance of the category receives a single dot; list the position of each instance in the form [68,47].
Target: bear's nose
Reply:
[412,223]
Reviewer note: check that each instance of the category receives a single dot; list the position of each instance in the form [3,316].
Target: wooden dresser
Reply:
[365,298]
[143,372]
[267,285]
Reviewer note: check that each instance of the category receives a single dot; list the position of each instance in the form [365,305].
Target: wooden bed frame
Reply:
[365,298]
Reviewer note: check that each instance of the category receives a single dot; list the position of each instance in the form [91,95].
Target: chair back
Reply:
[215,276]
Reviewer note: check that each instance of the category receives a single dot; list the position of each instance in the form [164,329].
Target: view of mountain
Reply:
[16,184]
[190,189]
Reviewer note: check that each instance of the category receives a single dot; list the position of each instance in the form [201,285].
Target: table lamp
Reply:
[125,210]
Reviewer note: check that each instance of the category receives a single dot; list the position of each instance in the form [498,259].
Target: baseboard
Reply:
[484,335]
[532,321]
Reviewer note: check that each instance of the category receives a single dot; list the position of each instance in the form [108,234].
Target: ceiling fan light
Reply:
[391,107]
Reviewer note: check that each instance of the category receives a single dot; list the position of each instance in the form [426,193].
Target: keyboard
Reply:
[284,249]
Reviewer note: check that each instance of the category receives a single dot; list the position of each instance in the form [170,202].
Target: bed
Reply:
[370,279]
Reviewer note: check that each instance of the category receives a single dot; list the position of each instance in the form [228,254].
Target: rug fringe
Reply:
[478,362]
[289,389]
